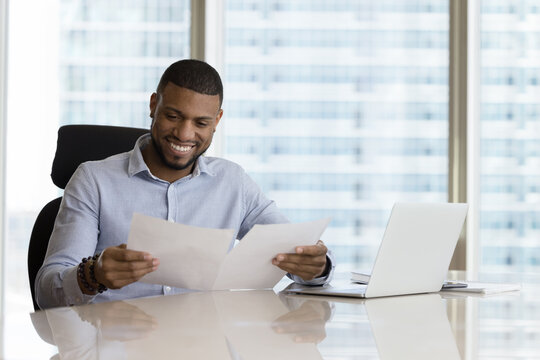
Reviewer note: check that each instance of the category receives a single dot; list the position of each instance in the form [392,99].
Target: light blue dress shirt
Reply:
[99,202]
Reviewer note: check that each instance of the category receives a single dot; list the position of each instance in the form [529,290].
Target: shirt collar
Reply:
[137,164]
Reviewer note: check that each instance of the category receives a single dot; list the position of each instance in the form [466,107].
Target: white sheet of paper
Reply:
[189,256]
[249,264]
[196,258]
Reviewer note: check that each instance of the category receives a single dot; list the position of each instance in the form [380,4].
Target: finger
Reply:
[117,280]
[127,275]
[114,275]
[301,259]
[312,250]
[120,253]
[113,265]
[295,268]
[130,275]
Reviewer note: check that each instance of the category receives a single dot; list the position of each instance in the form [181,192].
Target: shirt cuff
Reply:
[72,291]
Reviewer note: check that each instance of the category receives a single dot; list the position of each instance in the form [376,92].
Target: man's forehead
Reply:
[172,91]
[175,97]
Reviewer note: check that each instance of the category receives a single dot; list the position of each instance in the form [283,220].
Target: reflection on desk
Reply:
[412,327]
[200,325]
[265,325]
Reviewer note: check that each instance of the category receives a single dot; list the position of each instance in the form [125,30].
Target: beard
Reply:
[173,165]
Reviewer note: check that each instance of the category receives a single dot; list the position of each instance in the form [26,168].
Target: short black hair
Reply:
[195,75]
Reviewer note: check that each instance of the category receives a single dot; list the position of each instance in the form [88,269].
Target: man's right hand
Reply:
[118,266]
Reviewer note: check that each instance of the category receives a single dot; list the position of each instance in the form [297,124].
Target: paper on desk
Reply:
[195,258]
[486,288]
[249,264]
[189,256]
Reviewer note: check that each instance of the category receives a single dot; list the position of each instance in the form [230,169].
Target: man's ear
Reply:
[153,104]
[218,117]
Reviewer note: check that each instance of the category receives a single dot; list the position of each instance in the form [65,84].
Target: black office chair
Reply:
[75,145]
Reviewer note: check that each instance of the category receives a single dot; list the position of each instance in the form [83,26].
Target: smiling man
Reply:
[164,176]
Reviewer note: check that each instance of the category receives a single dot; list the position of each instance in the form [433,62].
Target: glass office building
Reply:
[338,118]
[338,109]
[112,52]
[510,136]
[335,108]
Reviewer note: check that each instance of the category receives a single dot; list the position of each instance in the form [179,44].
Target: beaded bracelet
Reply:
[82,276]
[100,287]
[96,286]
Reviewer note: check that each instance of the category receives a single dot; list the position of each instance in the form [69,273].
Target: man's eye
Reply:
[202,124]
[171,116]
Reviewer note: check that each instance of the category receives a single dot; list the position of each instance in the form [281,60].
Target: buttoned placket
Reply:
[171,202]
[172,210]
[172,198]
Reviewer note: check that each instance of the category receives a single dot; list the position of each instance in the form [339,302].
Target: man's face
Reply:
[183,124]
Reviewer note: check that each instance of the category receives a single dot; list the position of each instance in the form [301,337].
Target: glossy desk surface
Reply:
[273,325]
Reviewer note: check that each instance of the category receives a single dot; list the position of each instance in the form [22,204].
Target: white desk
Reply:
[266,325]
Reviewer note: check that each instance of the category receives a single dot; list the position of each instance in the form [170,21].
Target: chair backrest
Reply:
[75,145]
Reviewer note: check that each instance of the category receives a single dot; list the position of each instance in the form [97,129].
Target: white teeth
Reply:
[180,148]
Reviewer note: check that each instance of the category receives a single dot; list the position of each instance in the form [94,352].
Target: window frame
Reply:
[463,138]
[3,137]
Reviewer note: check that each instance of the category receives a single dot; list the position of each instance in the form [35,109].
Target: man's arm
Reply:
[75,236]
[310,265]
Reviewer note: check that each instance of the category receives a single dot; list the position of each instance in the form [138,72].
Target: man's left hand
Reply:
[308,262]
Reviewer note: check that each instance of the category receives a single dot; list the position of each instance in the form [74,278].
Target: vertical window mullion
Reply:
[3,112]
[457,136]
[473,136]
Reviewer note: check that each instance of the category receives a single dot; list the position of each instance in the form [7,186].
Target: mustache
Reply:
[177,141]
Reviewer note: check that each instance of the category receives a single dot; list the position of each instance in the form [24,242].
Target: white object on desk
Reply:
[414,254]
[485,287]
[358,277]
[363,278]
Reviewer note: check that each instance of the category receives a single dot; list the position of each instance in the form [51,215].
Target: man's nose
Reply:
[184,130]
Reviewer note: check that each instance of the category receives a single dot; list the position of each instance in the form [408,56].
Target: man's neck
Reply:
[161,170]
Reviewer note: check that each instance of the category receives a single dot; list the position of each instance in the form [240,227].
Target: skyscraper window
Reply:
[352,98]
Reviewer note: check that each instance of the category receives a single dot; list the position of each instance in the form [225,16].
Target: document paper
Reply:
[249,264]
[189,256]
[196,258]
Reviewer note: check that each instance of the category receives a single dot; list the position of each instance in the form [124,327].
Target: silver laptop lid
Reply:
[416,248]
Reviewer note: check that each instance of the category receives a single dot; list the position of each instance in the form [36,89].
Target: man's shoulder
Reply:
[110,170]
[114,162]
[221,166]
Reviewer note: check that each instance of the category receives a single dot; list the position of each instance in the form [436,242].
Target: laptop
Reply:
[414,254]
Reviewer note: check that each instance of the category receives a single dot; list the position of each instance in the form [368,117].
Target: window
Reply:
[339,109]
[336,108]
[74,62]
[509,137]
